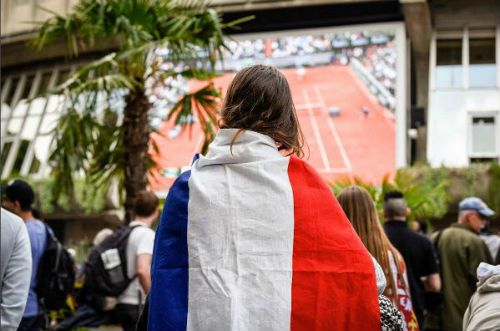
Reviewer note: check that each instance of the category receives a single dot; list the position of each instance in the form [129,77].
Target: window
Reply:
[27,87]
[482,67]
[12,91]
[483,160]
[483,135]
[5,151]
[449,63]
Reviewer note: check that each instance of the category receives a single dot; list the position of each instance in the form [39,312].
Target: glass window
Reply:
[27,86]
[49,123]
[44,84]
[5,151]
[43,148]
[63,76]
[55,103]
[37,105]
[449,52]
[35,166]
[23,147]
[5,112]
[12,91]
[449,63]
[482,68]
[30,125]
[483,135]
[483,160]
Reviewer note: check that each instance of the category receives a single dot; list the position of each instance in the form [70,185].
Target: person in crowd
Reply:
[483,312]
[360,210]
[419,226]
[460,251]
[139,255]
[251,238]
[491,239]
[417,251]
[101,236]
[18,199]
[15,270]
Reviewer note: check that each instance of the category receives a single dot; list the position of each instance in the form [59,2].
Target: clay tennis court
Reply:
[350,145]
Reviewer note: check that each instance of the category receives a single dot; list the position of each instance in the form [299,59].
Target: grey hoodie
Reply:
[483,312]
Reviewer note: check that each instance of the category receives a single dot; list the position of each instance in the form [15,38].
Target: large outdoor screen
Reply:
[344,85]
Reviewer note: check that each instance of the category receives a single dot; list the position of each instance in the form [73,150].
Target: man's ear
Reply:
[18,205]
[408,212]
[382,212]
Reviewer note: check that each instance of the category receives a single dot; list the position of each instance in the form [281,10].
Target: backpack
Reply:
[106,267]
[56,274]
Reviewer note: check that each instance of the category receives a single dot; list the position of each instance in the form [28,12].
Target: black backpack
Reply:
[56,274]
[106,267]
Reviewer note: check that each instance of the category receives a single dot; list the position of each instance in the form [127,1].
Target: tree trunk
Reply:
[135,142]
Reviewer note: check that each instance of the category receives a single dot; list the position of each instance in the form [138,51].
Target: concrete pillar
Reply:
[418,25]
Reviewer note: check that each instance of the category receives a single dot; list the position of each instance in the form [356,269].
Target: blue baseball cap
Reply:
[474,203]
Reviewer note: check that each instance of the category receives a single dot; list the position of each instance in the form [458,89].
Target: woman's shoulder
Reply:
[298,166]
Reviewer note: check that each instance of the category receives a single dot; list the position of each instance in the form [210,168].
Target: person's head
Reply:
[360,210]
[395,206]
[101,236]
[474,213]
[18,196]
[420,226]
[146,206]
[259,99]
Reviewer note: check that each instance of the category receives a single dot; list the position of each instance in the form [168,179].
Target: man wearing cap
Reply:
[460,251]
[18,198]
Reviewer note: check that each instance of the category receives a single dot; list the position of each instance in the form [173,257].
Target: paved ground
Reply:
[351,145]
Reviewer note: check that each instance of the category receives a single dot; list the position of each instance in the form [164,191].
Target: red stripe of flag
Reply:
[333,280]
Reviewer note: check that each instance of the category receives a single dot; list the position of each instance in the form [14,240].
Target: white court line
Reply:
[343,153]
[314,124]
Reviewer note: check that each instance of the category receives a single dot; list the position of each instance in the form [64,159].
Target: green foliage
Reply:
[433,192]
[425,191]
[91,144]
[493,199]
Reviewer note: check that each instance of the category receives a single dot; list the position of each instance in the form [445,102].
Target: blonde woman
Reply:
[360,210]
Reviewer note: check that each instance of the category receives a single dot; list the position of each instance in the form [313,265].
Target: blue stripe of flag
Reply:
[168,306]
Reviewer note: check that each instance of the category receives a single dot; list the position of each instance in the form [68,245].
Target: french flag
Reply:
[251,240]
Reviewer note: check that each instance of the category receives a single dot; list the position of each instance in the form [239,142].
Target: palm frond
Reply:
[73,145]
[188,29]
[100,75]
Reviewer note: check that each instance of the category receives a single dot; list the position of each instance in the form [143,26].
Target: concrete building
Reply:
[448,74]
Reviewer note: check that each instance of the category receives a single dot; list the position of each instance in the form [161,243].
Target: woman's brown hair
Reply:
[360,210]
[259,99]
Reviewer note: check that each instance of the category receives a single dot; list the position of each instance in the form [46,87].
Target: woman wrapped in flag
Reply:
[251,238]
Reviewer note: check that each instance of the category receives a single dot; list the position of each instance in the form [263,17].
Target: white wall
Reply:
[449,117]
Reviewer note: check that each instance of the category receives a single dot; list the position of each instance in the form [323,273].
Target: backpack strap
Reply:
[51,236]
[436,241]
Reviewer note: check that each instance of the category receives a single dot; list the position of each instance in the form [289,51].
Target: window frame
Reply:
[471,114]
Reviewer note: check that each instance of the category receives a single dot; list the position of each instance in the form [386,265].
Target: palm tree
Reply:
[107,144]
